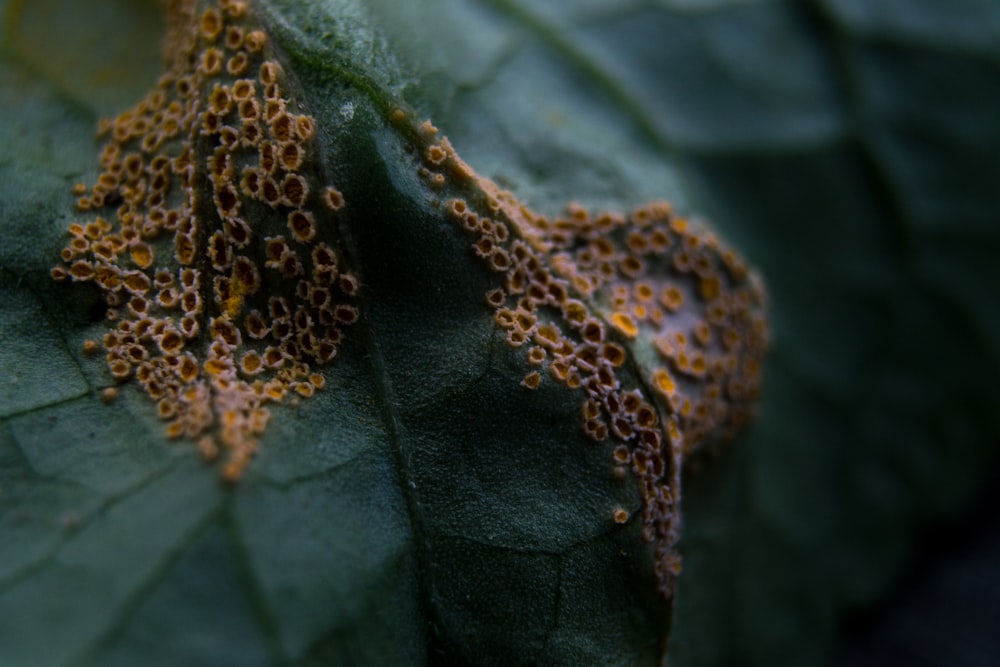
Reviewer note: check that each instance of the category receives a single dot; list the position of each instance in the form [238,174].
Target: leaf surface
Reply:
[424,506]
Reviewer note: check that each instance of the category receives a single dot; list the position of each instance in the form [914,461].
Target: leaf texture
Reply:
[424,507]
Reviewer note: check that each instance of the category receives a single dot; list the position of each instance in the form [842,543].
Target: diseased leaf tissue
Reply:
[212,233]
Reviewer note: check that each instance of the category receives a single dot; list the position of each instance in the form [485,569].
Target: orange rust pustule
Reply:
[214,343]
[574,290]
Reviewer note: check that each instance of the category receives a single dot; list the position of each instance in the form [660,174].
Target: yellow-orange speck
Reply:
[624,323]
[531,380]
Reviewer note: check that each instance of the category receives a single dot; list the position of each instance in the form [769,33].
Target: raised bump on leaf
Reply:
[657,281]
[200,346]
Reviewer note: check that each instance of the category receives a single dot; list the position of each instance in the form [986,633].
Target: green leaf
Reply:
[424,507]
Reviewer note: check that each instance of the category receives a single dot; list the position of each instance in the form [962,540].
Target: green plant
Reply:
[423,504]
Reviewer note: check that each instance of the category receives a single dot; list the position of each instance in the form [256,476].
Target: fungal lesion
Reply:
[212,237]
[656,324]
[212,234]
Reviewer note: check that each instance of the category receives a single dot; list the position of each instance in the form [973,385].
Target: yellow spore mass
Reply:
[578,290]
[199,183]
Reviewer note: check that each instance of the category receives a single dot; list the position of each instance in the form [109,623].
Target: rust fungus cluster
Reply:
[209,233]
[583,295]
[207,238]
